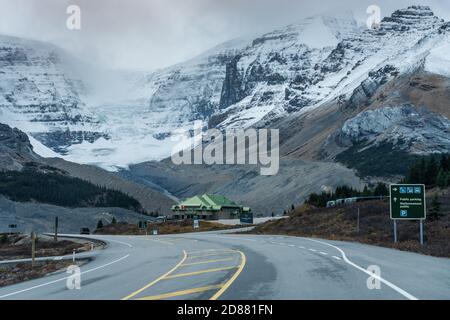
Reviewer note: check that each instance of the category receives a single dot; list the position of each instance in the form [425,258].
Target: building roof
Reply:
[207,202]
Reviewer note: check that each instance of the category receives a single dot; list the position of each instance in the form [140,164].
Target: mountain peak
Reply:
[15,148]
[414,17]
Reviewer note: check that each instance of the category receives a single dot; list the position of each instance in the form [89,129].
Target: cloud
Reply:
[149,34]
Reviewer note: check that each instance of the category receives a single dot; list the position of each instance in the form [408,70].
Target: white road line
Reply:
[300,247]
[386,282]
[337,258]
[62,279]
[292,246]
[121,242]
[323,253]
[389,284]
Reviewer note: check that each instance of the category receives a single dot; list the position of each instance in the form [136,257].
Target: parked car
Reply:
[85,231]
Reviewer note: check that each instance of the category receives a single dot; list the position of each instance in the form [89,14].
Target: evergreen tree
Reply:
[434,213]
[366,192]
[445,162]
[431,172]
[381,190]
[441,180]
[100,224]
[114,221]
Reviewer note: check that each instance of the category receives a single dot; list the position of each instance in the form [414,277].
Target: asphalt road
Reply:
[230,266]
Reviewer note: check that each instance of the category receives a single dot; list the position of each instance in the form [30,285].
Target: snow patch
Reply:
[42,150]
[317,35]
[438,61]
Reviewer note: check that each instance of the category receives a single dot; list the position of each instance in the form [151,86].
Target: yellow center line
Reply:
[158,279]
[222,287]
[161,241]
[179,275]
[232,279]
[210,251]
[205,262]
[182,292]
[212,254]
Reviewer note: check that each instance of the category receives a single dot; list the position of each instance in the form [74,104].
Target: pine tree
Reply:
[431,172]
[381,190]
[441,180]
[445,162]
[434,213]
[100,224]
[114,221]
[366,191]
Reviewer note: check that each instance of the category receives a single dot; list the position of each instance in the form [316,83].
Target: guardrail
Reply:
[347,201]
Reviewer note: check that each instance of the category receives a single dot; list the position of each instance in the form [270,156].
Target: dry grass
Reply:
[376,228]
[168,227]
[11,274]
[19,247]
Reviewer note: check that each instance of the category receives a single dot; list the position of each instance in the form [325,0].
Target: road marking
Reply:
[205,262]
[235,238]
[194,273]
[300,247]
[161,241]
[209,250]
[117,241]
[323,253]
[292,246]
[182,292]
[62,279]
[212,254]
[389,284]
[337,258]
[232,279]
[158,279]
[313,250]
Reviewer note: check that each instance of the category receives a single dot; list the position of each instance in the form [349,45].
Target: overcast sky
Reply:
[151,34]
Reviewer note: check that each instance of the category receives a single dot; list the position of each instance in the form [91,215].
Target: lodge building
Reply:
[208,207]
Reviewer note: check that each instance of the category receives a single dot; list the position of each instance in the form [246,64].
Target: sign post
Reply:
[395,231]
[33,249]
[407,202]
[196,223]
[56,229]
[421,232]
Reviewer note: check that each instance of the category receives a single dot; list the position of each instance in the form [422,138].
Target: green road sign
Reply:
[196,222]
[247,217]
[408,201]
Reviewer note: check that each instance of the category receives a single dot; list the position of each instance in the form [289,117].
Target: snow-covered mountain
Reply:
[298,70]
[41,95]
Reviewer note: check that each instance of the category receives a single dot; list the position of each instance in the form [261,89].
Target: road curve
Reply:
[231,266]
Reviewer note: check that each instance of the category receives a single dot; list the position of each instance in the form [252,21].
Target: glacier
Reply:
[114,119]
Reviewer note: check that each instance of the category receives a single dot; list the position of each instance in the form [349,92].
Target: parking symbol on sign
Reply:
[403,213]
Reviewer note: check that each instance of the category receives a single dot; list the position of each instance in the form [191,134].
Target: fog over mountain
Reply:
[144,35]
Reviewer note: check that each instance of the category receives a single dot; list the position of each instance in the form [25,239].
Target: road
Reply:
[231,266]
